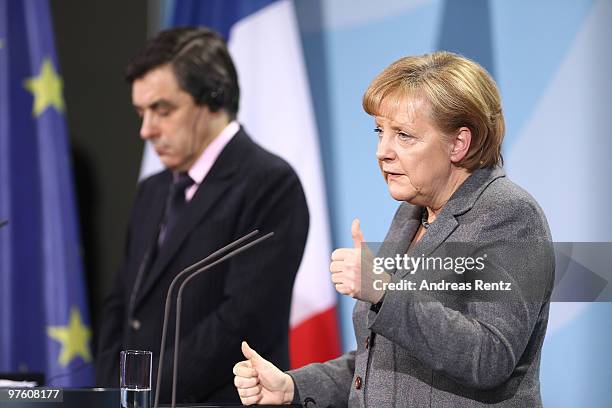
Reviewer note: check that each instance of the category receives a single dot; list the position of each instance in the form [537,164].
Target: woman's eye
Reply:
[404,136]
[378,131]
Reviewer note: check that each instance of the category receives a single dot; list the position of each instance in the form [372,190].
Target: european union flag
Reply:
[44,321]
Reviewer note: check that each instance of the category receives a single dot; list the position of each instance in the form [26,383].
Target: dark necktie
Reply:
[174,205]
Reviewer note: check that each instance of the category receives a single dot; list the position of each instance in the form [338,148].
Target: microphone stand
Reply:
[179,301]
[184,272]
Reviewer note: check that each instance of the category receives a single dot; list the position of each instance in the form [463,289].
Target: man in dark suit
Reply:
[218,186]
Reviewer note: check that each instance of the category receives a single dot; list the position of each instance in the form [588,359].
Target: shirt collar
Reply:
[209,156]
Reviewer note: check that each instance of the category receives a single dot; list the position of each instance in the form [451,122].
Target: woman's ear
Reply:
[461,144]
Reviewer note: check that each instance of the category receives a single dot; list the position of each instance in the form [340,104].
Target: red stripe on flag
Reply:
[315,339]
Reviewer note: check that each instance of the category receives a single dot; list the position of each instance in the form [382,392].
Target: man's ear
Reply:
[461,144]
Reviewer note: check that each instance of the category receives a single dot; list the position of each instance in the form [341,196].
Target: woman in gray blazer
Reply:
[452,310]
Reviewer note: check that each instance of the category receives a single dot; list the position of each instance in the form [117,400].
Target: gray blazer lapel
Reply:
[436,234]
[466,195]
[460,202]
[403,227]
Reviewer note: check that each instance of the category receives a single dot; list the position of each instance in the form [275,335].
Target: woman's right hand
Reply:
[258,381]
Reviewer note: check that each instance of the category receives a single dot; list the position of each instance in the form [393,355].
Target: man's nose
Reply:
[148,128]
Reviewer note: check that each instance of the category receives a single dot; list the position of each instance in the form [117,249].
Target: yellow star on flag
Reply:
[74,339]
[46,88]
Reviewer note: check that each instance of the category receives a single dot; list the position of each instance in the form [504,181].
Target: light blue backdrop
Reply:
[552,60]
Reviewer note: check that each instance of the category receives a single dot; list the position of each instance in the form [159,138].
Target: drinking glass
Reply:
[136,378]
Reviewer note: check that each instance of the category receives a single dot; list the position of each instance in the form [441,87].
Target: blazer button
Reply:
[135,324]
[358,383]
[367,342]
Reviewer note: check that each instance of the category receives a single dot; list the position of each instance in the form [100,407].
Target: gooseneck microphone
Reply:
[184,272]
[179,301]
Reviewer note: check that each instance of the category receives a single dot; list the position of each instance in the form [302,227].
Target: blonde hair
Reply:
[459,93]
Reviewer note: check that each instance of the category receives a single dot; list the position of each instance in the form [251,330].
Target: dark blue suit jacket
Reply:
[247,298]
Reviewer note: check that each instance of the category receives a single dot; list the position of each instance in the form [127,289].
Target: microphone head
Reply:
[3,223]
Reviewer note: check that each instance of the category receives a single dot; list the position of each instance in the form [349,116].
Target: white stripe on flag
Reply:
[276,108]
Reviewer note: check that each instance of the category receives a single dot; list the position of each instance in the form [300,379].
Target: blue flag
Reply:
[219,15]
[44,320]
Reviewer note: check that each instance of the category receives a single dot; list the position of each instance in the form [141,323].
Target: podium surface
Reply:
[105,398]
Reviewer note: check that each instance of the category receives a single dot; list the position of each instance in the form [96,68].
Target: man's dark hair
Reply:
[200,61]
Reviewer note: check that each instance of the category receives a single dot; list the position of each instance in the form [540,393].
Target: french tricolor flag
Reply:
[276,109]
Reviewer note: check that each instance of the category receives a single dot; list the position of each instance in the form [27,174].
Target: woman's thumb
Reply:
[250,354]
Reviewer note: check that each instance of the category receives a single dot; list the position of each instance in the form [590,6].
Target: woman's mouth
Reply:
[393,176]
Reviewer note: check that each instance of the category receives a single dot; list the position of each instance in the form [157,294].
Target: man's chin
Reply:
[170,166]
[167,161]
[176,167]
